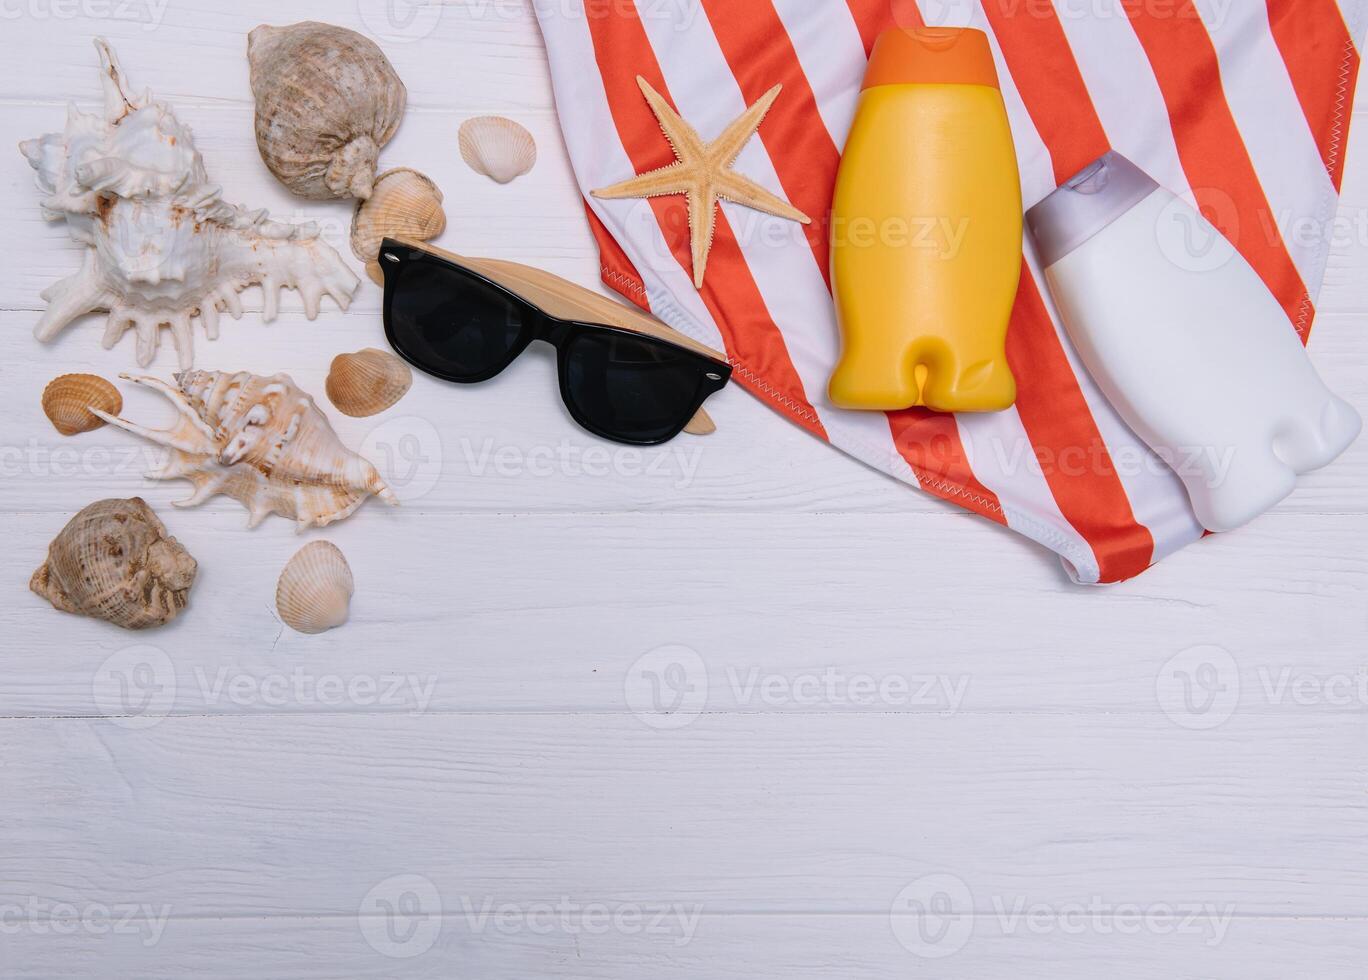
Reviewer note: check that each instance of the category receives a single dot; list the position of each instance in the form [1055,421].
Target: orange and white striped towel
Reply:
[1244,104]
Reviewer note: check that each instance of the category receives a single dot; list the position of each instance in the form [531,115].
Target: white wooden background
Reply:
[883,701]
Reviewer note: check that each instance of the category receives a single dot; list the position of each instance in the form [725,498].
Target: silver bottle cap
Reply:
[1086,203]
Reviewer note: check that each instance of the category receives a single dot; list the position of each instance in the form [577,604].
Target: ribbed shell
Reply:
[497,147]
[315,588]
[67,401]
[367,382]
[403,204]
[114,561]
[327,99]
[263,442]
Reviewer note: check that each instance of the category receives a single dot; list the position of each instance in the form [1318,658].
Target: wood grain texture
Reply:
[740,678]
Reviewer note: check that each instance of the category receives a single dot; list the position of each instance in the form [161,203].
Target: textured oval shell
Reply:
[315,588]
[367,382]
[497,147]
[404,204]
[327,99]
[67,401]
[114,561]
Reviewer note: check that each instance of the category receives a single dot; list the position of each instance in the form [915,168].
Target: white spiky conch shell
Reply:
[404,204]
[163,248]
[497,147]
[314,591]
[263,442]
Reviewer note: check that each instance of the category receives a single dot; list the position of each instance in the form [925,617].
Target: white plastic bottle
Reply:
[1186,341]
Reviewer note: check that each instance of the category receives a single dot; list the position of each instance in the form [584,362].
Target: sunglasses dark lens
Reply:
[630,388]
[451,324]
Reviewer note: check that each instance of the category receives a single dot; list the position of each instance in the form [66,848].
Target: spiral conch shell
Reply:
[67,401]
[497,147]
[261,441]
[314,591]
[405,204]
[163,248]
[367,382]
[115,561]
[327,99]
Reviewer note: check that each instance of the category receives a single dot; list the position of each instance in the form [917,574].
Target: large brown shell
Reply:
[327,99]
[67,401]
[114,561]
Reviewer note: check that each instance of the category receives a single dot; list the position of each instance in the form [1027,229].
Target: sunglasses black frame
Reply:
[538,324]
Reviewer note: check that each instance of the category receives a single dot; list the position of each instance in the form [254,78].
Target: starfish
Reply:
[703,173]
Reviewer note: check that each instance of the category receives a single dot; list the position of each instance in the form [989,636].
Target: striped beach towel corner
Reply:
[1242,105]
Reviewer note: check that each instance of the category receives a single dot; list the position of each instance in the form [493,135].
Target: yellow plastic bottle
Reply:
[926,230]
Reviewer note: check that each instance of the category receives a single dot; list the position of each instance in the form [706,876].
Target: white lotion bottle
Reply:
[1187,342]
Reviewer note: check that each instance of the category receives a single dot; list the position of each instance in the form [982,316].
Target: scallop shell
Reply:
[327,99]
[404,204]
[263,442]
[315,588]
[67,401]
[497,147]
[367,382]
[114,561]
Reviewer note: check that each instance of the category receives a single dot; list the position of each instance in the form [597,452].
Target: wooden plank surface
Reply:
[740,686]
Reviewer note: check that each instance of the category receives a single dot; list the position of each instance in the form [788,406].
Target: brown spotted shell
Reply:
[314,591]
[114,561]
[327,99]
[404,204]
[67,401]
[367,382]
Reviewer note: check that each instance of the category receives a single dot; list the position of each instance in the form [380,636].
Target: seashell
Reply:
[315,588]
[497,147]
[162,247]
[367,382]
[405,204]
[327,99]
[114,561]
[261,441]
[67,400]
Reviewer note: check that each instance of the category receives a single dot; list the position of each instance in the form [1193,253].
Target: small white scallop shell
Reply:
[497,147]
[315,588]
[404,204]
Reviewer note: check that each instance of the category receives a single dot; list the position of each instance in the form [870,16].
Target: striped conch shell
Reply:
[263,442]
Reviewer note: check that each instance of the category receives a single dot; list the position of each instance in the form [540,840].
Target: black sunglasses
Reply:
[623,375]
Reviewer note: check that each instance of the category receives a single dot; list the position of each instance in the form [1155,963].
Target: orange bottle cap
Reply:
[932,56]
